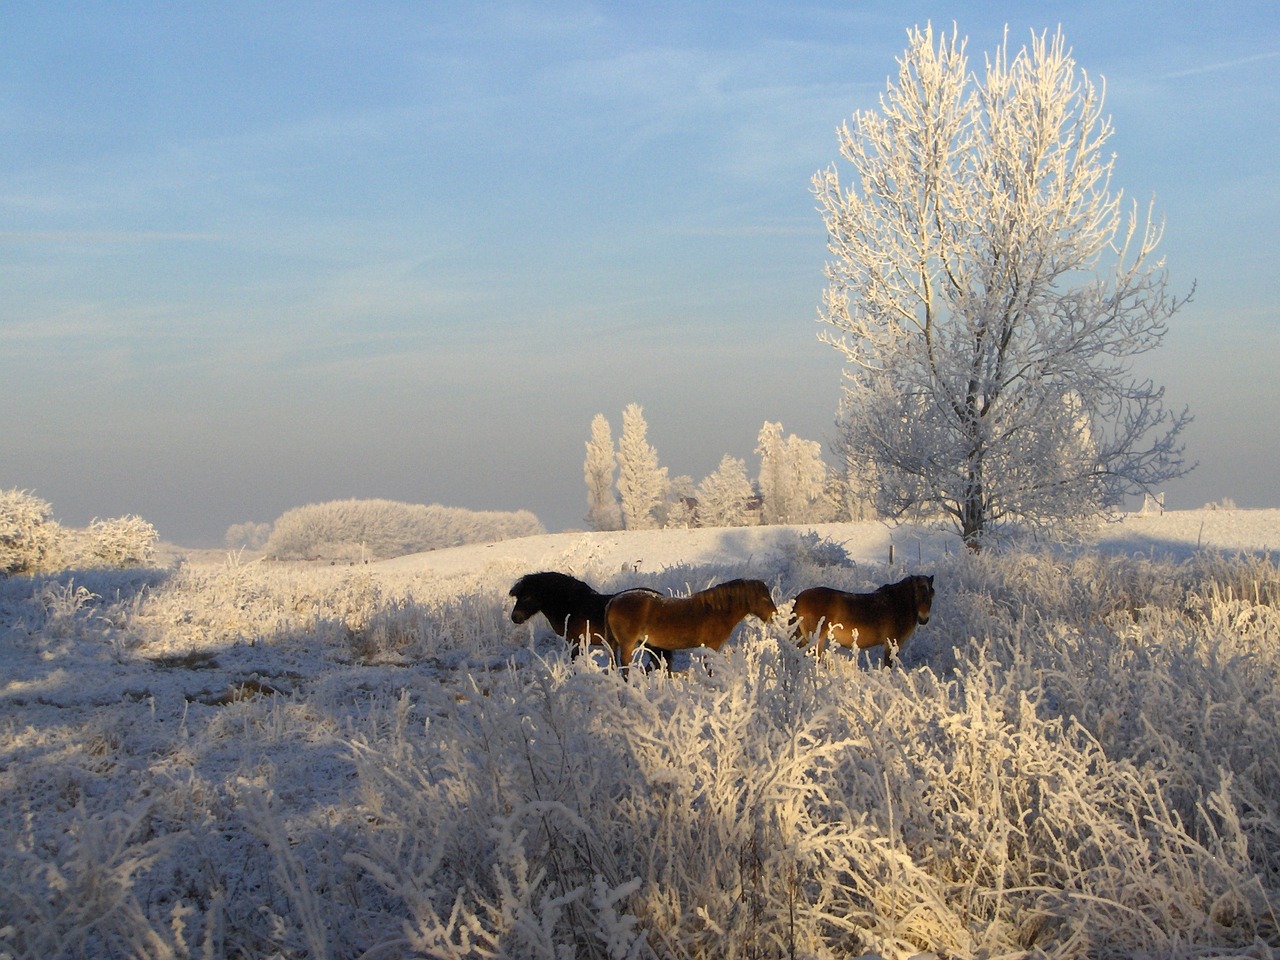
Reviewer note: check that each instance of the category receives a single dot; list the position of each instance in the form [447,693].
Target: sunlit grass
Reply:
[1080,757]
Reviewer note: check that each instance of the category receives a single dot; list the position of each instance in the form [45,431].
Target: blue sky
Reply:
[260,255]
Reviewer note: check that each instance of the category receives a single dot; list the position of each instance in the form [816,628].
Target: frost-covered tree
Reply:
[989,294]
[853,487]
[793,477]
[642,484]
[681,509]
[724,495]
[248,535]
[603,512]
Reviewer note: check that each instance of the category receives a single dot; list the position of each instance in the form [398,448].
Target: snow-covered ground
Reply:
[237,758]
[647,551]
[1175,533]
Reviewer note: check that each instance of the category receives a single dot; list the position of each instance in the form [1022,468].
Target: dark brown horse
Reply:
[704,619]
[887,616]
[574,609]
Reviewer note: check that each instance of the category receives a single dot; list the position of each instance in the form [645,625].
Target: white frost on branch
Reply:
[642,484]
[603,512]
[989,296]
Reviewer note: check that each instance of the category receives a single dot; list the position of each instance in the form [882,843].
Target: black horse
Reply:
[574,609]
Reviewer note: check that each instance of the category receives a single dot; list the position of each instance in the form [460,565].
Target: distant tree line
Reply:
[356,530]
[627,488]
[248,536]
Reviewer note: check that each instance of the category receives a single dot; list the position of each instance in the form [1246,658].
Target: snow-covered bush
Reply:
[355,530]
[811,547]
[123,542]
[30,539]
[31,542]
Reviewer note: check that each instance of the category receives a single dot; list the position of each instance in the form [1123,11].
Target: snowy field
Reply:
[1080,757]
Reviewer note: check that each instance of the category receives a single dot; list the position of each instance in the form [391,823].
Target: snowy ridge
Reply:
[650,550]
[1176,533]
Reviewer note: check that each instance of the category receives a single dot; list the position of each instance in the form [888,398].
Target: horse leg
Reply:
[626,651]
[820,631]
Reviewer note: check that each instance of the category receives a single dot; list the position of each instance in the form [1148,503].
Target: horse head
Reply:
[548,593]
[924,597]
[762,604]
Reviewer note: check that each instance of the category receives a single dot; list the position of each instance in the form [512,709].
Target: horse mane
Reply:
[898,585]
[561,584]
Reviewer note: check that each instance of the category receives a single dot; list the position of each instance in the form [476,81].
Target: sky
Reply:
[256,256]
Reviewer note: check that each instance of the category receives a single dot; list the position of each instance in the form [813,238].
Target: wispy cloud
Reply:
[104,237]
[751,230]
[1221,66]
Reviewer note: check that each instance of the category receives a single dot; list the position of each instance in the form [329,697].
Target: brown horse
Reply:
[574,609]
[704,619]
[887,616]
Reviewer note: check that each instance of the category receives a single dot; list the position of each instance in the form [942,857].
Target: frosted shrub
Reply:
[359,530]
[124,542]
[32,542]
[30,539]
[812,548]
[64,603]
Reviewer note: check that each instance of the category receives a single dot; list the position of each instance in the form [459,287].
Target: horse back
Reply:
[677,623]
[626,612]
[887,615]
[864,619]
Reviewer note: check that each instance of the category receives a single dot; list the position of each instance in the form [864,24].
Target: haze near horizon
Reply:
[259,257]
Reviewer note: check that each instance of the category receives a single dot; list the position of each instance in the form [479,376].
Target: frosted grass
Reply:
[1080,758]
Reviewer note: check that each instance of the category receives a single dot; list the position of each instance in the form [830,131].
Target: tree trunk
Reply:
[973,513]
